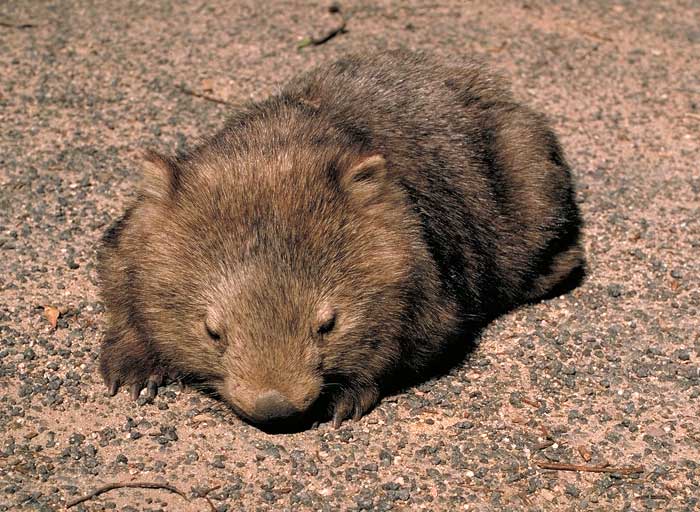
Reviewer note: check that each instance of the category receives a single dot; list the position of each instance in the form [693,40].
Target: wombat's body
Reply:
[336,236]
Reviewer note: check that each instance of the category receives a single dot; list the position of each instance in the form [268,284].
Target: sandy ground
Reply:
[608,374]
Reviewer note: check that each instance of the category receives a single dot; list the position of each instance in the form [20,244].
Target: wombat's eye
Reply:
[212,333]
[326,325]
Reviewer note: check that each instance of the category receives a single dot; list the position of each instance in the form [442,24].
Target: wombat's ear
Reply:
[365,176]
[159,175]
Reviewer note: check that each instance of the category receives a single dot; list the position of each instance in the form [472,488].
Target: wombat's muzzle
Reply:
[272,407]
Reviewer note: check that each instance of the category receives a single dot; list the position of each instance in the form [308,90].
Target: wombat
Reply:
[338,237]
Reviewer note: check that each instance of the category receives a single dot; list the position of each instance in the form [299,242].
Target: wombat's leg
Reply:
[354,402]
[126,360]
[564,274]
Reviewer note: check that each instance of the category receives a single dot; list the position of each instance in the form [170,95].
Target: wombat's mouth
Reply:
[280,418]
[293,423]
[271,410]
[275,421]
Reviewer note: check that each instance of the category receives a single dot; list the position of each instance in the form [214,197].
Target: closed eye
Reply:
[326,326]
[212,333]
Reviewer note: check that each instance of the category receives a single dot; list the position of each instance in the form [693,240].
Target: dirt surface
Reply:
[608,374]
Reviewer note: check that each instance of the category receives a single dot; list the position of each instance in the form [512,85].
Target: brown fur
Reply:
[399,201]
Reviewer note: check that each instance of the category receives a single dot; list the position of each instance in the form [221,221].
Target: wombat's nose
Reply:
[272,406]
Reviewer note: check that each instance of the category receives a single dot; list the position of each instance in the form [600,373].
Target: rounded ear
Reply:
[159,175]
[365,177]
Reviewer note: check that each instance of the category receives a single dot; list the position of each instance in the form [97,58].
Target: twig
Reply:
[529,402]
[594,35]
[203,96]
[9,24]
[117,485]
[206,497]
[588,469]
[652,497]
[590,33]
[317,41]
[499,48]
[544,445]
[691,115]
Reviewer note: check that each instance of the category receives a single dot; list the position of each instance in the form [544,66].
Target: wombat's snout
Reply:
[273,407]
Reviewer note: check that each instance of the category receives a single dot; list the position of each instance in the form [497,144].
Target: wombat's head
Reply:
[281,279]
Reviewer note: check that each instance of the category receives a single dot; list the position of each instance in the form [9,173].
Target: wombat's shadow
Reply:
[466,341]
[452,357]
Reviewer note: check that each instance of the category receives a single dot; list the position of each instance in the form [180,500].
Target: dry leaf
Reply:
[545,432]
[585,453]
[208,85]
[52,313]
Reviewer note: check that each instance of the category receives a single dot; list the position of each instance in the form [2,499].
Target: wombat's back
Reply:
[485,174]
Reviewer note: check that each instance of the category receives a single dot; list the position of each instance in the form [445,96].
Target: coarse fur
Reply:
[337,237]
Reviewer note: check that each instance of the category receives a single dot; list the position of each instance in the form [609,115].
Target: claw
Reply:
[357,414]
[354,403]
[113,387]
[136,391]
[135,379]
[152,388]
[342,410]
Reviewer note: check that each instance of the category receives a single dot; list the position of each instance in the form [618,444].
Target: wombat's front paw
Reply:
[119,369]
[354,402]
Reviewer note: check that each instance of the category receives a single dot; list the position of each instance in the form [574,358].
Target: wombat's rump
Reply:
[336,237]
